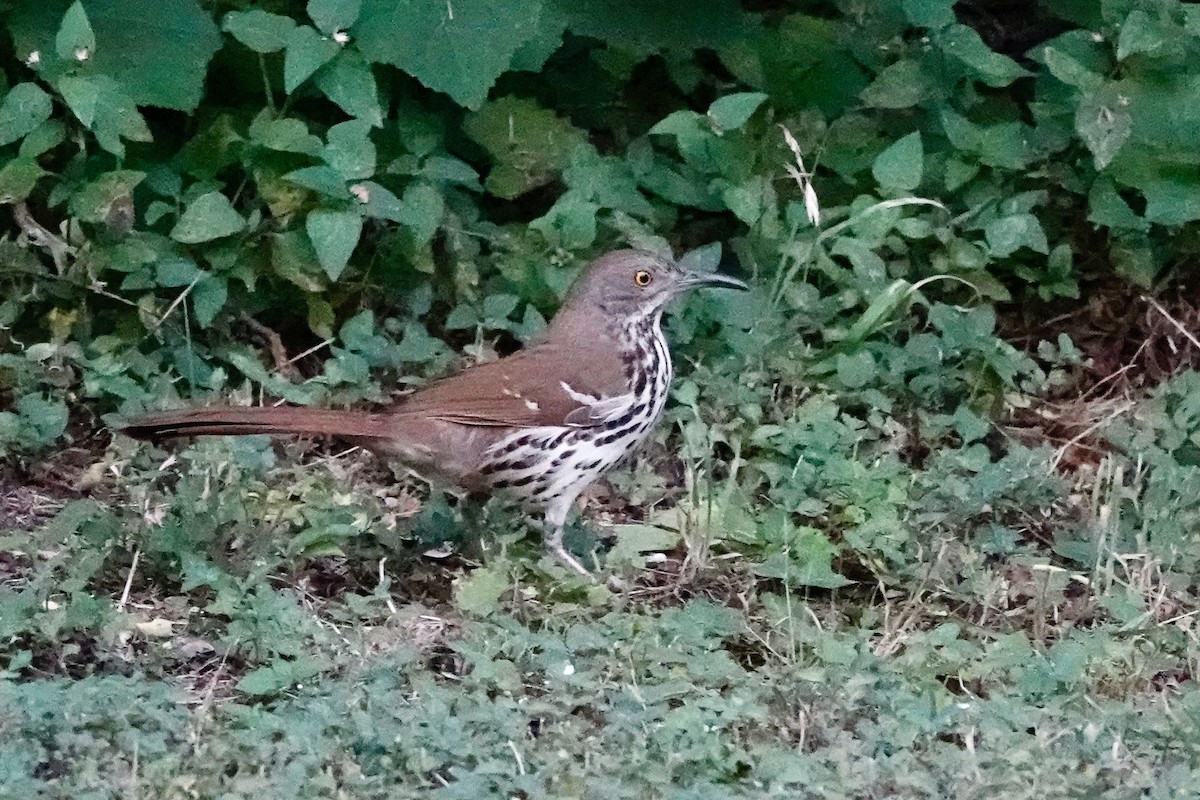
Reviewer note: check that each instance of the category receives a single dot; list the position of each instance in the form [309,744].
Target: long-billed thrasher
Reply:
[540,424]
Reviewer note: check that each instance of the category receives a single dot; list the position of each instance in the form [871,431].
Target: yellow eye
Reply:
[642,278]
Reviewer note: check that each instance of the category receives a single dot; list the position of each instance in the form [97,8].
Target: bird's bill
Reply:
[714,280]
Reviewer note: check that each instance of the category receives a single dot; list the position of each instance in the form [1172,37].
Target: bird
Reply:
[540,424]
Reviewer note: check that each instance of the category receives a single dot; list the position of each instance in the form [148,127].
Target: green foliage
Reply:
[854,580]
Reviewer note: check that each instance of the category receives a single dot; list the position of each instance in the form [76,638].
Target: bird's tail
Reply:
[361,426]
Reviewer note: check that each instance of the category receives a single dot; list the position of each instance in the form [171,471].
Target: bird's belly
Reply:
[542,466]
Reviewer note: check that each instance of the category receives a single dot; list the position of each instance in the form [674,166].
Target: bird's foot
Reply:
[568,560]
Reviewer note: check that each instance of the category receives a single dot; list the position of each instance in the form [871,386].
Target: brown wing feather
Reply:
[524,389]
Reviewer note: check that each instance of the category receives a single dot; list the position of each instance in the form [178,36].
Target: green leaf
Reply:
[350,83]
[929,13]
[285,135]
[47,416]
[1069,70]
[1173,199]
[1140,33]
[17,179]
[901,85]
[210,216]
[24,108]
[174,270]
[94,202]
[570,223]
[102,105]
[459,48]
[259,30]
[334,235]
[331,16]
[529,144]
[75,40]
[350,151]
[1104,123]
[208,298]
[1008,234]
[421,211]
[900,166]
[732,111]
[480,591]
[857,370]
[307,52]
[158,52]
[322,179]
[379,202]
[277,676]
[964,43]
[46,136]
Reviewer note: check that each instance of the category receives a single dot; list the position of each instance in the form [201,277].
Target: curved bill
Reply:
[715,280]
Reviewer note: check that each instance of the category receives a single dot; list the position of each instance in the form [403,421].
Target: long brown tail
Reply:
[237,421]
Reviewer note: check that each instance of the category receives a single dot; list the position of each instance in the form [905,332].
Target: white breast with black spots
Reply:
[549,466]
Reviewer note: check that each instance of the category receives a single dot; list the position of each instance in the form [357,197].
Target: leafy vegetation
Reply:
[923,519]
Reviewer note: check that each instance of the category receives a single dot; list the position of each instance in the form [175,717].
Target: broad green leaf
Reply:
[421,211]
[1069,70]
[459,48]
[901,85]
[652,27]
[529,144]
[47,136]
[1140,33]
[208,298]
[285,135]
[964,43]
[349,150]
[210,216]
[570,223]
[445,169]
[732,111]
[900,166]
[259,30]
[350,83]
[158,52]
[929,13]
[276,677]
[95,200]
[47,415]
[24,108]
[75,40]
[331,16]
[174,270]
[307,52]
[1107,208]
[101,105]
[479,592]
[322,179]
[1104,123]
[378,202]
[1173,199]
[1006,235]
[17,179]
[334,235]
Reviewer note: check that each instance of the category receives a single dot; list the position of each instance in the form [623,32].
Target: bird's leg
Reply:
[556,520]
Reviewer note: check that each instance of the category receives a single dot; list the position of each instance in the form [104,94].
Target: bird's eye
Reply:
[642,277]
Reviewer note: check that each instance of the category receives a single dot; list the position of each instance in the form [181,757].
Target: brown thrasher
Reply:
[540,424]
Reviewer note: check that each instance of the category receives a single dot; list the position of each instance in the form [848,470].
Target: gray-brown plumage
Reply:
[540,424]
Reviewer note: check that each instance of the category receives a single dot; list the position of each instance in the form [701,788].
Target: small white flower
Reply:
[341,37]
[33,59]
[568,669]
[361,193]
[82,54]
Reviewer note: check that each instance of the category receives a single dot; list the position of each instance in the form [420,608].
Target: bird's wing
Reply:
[535,387]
